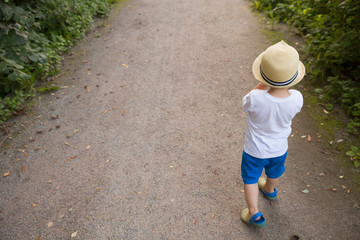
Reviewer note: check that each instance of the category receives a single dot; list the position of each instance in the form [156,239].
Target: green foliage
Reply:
[9,105]
[354,153]
[33,36]
[332,31]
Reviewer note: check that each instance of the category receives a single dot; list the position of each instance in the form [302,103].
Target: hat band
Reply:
[278,84]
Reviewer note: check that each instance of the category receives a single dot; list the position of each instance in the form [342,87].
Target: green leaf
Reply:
[350,153]
[16,39]
[357,163]
[7,11]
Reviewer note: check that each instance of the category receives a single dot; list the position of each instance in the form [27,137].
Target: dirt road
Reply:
[144,138]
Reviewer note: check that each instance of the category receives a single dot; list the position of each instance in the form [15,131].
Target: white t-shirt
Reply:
[268,124]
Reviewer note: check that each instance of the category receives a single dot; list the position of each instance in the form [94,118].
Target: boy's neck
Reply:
[279,92]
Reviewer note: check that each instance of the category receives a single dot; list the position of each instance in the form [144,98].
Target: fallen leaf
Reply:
[38,238]
[213,215]
[31,139]
[305,191]
[326,112]
[50,224]
[97,189]
[308,138]
[322,174]
[7,174]
[348,191]
[171,166]
[84,61]
[72,157]
[87,147]
[344,187]
[341,177]
[332,189]
[123,113]
[106,111]
[26,155]
[242,190]
[125,65]
[67,144]
[307,173]
[74,234]
[271,203]
[50,181]
[23,168]
[195,222]
[303,136]
[76,130]
[35,204]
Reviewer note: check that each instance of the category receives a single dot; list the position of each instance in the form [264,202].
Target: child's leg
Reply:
[251,195]
[270,184]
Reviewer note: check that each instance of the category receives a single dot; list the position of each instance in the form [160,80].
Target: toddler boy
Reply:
[270,113]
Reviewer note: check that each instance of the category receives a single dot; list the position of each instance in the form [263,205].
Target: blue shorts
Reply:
[252,167]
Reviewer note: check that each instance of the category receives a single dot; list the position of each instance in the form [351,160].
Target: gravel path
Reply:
[144,139]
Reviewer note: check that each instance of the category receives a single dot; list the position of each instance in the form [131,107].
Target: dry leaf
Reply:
[72,157]
[125,65]
[242,190]
[341,177]
[67,144]
[321,174]
[75,131]
[106,111]
[303,136]
[31,139]
[195,222]
[97,189]
[326,112]
[308,138]
[74,234]
[87,147]
[271,203]
[7,174]
[348,191]
[23,168]
[84,61]
[123,113]
[213,215]
[35,204]
[50,224]
[171,166]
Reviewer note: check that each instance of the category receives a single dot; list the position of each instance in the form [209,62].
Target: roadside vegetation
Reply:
[33,37]
[331,30]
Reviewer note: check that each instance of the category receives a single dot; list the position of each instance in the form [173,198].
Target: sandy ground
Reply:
[144,139]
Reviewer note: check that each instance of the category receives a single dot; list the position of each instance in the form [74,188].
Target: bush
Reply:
[33,36]
[332,31]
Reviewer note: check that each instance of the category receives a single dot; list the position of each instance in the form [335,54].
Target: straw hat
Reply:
[279,66]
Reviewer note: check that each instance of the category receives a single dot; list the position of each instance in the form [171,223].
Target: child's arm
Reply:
[260,86]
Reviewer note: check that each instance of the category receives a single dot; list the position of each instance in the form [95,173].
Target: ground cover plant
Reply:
[332,33]
[33,36]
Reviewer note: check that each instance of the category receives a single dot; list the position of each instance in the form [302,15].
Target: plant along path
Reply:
[144,138]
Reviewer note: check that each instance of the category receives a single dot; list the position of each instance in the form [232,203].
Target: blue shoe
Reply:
[271,196]
[245,216]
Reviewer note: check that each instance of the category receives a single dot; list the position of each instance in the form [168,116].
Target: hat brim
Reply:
[257,74]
